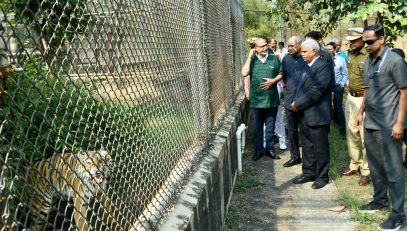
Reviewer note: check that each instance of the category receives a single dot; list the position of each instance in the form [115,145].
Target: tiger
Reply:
[77,177]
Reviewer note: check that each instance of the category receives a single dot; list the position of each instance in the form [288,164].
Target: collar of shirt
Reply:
[313,61]
[264,58]
[379,57]
[362,51]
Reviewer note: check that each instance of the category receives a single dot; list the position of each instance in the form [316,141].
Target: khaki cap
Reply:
[354,33]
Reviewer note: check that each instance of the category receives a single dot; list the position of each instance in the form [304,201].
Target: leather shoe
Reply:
[302,179]
[291,162]
[257,156]
[271,154]
[364,180]
[349,172]
[319,184]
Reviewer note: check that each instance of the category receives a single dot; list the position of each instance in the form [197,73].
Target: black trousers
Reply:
[385,159]
[315,151]
[293,120]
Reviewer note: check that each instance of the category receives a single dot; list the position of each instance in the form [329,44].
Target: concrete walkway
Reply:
[278,204]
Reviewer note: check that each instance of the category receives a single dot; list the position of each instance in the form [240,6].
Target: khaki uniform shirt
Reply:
[355,70]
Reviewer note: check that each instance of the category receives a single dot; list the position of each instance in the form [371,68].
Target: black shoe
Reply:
[291,162]
[373,206]
[319,184]
[257,156]
[271,154]
[391,224]
[303,179]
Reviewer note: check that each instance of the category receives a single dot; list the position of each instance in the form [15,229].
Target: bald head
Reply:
[295,39]
[260,47]
[338,42]
[294,45]
[259,41]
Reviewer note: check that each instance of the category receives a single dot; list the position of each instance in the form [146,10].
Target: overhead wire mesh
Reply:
[106,104]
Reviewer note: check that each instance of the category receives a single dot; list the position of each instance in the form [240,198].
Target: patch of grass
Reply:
[232,218]
[339,153]
[247,180]
[244,185]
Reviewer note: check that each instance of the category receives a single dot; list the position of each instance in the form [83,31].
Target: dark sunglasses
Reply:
[370,41]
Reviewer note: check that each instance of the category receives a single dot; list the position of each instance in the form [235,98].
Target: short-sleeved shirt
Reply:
[383,77]
[356,68]
[258,70]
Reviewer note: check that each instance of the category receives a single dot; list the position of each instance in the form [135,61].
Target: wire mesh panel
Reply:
[106,105]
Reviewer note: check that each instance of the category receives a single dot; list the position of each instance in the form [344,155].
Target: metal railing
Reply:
[105,106]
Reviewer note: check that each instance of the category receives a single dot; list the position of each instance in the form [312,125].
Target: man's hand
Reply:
[397,131]
[346,89]
[359,120]
[246,66]
[294,107]
[267,84]
[251,53]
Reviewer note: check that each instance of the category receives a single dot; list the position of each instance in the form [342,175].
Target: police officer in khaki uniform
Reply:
[354,135]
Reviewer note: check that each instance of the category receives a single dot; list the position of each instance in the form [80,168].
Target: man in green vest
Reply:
[264,70]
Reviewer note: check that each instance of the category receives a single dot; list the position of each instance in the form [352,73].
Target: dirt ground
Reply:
[257,179]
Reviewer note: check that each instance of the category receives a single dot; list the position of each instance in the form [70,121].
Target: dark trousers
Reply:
[385,159]
[261,117]
[315,151]
[293,134]
[338,114]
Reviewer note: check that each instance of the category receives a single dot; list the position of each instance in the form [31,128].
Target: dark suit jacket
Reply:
[313,97]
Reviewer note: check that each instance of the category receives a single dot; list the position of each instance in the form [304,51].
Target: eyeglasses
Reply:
[370,41]
[290,46]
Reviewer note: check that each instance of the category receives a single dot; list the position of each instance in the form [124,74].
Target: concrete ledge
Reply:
[203,203]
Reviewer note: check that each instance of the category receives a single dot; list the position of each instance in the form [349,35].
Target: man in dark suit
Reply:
[313,103]
[293,66]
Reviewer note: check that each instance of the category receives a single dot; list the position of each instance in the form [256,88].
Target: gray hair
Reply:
[296,39]
[311,43]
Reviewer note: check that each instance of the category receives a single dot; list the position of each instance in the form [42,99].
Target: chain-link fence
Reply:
[106,105]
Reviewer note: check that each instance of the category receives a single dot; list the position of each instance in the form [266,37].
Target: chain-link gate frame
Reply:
[106,105]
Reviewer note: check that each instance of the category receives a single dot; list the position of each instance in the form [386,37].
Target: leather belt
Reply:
[357,93]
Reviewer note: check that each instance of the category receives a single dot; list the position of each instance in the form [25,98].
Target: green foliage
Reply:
[243,186]
[324,15]
[247,180]
[232,218]
[57,21]
[47,114]
[256,21]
